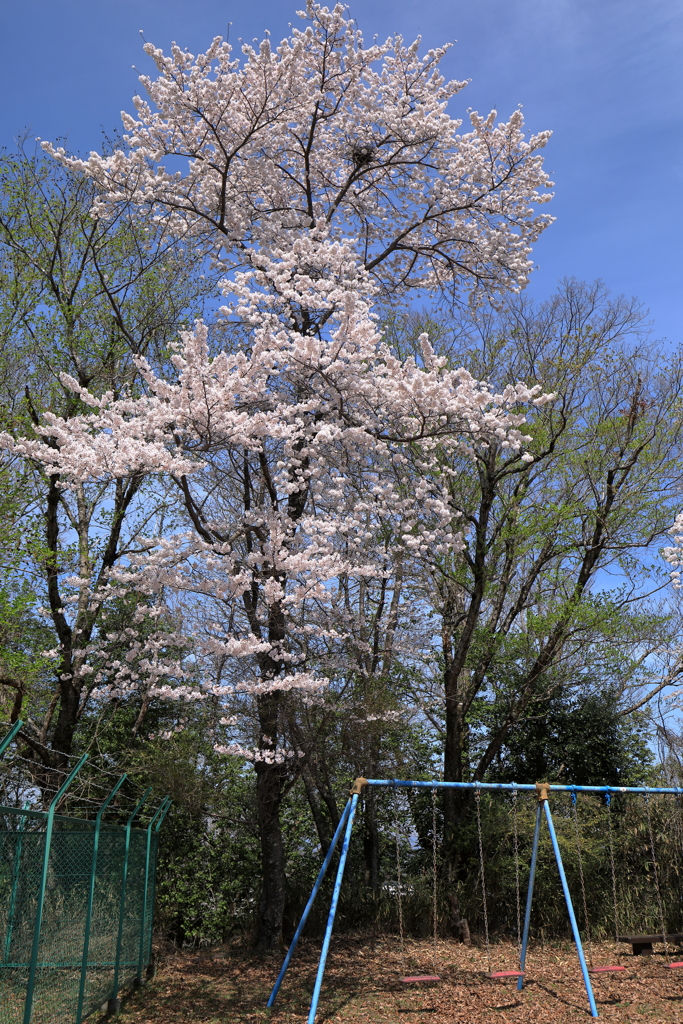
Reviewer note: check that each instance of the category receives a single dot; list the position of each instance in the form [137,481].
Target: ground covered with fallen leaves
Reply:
[362,983]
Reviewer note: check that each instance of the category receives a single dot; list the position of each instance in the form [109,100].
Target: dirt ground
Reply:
[362,984]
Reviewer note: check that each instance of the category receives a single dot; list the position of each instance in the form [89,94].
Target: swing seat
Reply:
[416,979]
[673,966]
[504,974]
[603,970]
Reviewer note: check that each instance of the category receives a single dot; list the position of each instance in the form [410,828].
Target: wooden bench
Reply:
[642,944]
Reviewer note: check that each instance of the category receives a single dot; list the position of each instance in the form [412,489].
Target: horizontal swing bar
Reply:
[522,786]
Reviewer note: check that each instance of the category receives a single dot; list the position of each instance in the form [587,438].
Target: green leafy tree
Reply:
[557,565]
[81,296]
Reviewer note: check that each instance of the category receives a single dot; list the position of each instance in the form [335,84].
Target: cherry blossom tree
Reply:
[319,177]
[264,481]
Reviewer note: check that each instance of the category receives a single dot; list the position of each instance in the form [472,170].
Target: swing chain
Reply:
[677,825]
[608,802]
[435,908]
[583,884]
[656,874]
[483,879]
[517,886]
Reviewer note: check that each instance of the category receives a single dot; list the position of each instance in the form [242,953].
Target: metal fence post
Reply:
[6,740]
[91,896]
[143,923]
[30,987]
[15,884]
[114,1002]
[157,828]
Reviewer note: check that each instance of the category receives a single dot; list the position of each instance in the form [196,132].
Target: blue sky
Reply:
[605,75]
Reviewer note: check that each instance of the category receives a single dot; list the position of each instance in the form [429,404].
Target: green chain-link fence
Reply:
[76,902]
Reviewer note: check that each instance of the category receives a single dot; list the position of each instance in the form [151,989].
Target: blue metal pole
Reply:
[309,905]
[570,909]
[30,984]
[529,897]
[333,910]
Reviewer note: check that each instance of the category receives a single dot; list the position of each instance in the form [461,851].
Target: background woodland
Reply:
[485,609]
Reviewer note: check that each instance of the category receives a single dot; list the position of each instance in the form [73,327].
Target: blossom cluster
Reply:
[324,133]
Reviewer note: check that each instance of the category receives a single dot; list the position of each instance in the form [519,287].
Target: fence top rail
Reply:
[86,824]
[521,786]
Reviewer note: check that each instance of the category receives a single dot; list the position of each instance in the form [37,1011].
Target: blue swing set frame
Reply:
[345,827]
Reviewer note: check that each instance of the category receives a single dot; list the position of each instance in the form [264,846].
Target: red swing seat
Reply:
[603,970]
[504,974]
[674,965]
[415,979]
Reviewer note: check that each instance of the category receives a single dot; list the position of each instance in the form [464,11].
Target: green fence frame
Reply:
[76,906]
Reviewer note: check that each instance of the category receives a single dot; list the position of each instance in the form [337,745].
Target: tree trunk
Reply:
[321,827]
[67,717]
[454,762]
[458,926]
[272,903]
[371,842]
[269,793]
